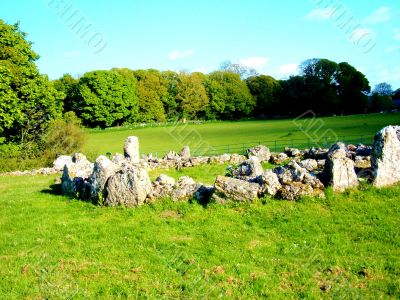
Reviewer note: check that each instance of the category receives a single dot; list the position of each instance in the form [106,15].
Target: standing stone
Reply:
[75,175]
[103,169]
[61,161]
[230,189]
[128,187]
[131,149]
[386,157]
[339,169]
[185,153]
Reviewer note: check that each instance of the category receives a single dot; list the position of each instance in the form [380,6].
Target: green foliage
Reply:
[343,247]
[64,137]
[70,88]
[28,100]
[191,94]
[267,92]
[107,98]
[229,88]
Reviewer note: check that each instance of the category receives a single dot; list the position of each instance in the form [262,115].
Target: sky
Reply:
[274,37]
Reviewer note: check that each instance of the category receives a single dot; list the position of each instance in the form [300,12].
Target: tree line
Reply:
[106,98]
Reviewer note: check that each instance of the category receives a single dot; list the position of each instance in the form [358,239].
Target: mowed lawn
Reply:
[202,138]
[344,247]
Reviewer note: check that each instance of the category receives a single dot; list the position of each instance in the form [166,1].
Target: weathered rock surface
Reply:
[250,169]
[61,161]
[261,152]
[185,153]
[269,183]
[339,169]
[131,149]
[162,187]
[184,189]
[309,164]
[293,152]
[103,169]
[128,187]
[230,189]
[172,155]
[317,153]
[362,162]
[278,158]
[386,157]
[118,159]
[75,175]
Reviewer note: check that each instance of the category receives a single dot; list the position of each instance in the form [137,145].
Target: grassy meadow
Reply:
[343,247]
[202,138]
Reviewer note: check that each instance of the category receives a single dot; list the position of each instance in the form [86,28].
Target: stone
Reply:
[171,155]
[184,189]
[185,153]
[278,158]
[363,150]
[162,187]
[118,159]
[165,180]
[228,189]
[317,153]
[199,160]
[261,152]
[362,162]
[309,164]
[339,169]
[295,191]
[128,187]
[131,149]
[249,169]
[220,159]
[237,159]
[103,169]
[269,183]
[293,152]
[61,161]
[386,157]
[75,176]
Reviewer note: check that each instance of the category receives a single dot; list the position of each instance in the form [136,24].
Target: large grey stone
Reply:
[386,157]
[184,189]
[269,182]
[339,169]
[261,152]
[61,161]
[128,187]
[228,189]
[103,169]
[185,153]
[249,169]
[75,176]
[131,149]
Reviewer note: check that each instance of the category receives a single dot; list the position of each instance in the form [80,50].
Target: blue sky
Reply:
[271,36]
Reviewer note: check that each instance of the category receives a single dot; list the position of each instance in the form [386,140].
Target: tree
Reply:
[229,95]
[353,88]
[191,94]
[152,88]
[169,100]
[243,71]
[28,100]
[396,94]
[68,85]
[292,96]
[267,92]
[107,98]
[383,89]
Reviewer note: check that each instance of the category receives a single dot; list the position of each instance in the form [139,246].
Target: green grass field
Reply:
[344,247]
[203,138]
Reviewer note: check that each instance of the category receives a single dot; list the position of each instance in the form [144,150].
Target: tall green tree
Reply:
[152,89]
[69,86]
[267,92]
[191,94]
[229,96]
[107,98]
[28,100]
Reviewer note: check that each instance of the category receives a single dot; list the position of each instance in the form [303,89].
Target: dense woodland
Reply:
[35,111]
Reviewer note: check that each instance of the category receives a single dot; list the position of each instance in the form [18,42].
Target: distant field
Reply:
[344,247]
[202,138]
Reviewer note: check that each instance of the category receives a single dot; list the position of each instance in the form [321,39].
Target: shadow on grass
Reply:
[54,189]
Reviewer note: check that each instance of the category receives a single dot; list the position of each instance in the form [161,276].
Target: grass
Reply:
[343,247]
[202,137]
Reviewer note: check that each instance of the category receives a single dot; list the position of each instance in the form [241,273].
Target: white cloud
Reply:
[360,33]
[72,54]
[381,15]
[288,69]
[254,62]
[177,54]
[392,49]
[320,14]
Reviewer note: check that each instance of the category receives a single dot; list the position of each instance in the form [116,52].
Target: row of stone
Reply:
[126,182]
